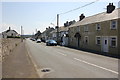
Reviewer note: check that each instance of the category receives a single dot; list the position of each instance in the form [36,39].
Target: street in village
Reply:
[84,48]
[36,60]
[63,62]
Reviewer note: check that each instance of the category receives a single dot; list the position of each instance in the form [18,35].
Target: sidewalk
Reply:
[18,64]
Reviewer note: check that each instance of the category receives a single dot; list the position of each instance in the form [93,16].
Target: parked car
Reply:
[38,40]
[46,41]
[51,43]
[32,39]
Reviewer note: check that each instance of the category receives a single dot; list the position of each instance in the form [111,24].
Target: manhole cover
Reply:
[45,70]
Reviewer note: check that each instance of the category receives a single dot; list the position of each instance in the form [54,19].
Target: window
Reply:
[78,28]
[114,24]
[86,28]
[71,39]
[86,40]
[98,27]
[98,40]
[113,42]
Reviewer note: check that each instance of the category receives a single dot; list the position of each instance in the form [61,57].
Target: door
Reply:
[105,44]
[78,42]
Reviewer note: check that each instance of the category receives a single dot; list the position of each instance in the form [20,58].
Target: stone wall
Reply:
[7,46]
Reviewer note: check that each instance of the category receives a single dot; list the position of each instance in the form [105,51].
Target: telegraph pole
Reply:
[21,34]
[57,28]
[58,20]
[36,30]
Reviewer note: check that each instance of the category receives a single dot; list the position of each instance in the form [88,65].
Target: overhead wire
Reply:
[79,7]
[75,9]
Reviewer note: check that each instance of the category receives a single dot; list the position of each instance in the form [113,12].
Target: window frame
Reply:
[98,26]
[111,41]
[111,25]
[97,40]
[78,28]
[86,28]
[87,40]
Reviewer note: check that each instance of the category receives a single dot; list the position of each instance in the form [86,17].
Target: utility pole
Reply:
[57,27]
[36,30]
[21,34]
[58,20]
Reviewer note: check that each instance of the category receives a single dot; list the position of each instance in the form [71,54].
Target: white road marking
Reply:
[96,66]
[62,54]
[35,66]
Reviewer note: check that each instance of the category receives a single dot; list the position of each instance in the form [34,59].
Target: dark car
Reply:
[51,43]
[32,39]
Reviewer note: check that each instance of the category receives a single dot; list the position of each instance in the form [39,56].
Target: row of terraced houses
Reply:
[100,32]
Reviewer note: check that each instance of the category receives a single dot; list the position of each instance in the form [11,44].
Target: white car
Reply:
[38,40]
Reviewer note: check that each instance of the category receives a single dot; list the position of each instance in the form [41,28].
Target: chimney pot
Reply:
[81,17]
[110,8]
[112,4]
[9,28]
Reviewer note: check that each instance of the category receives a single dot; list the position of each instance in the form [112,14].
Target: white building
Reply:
[63,33]
[10,33]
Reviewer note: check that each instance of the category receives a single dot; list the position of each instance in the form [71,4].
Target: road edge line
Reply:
[34,64]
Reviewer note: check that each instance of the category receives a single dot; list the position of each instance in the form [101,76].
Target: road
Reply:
[65,62]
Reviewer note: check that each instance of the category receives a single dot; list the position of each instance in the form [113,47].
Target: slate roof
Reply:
[62,28]
[98,18]
[10,30]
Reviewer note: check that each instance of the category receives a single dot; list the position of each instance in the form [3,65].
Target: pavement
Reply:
[18,64]
[63,62]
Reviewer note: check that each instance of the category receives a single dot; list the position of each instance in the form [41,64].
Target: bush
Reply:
[13,37]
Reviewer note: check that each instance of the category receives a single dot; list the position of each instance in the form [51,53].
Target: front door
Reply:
[105,44]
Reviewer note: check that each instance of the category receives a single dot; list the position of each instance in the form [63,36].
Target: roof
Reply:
[63,28]
[54,31]
[48,30]
[98,18]
[10,30]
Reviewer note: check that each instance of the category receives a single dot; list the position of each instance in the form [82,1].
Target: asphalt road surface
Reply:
[63,62]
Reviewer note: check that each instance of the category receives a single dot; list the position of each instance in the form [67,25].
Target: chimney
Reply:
[81,17]
[9,28]
[110,8]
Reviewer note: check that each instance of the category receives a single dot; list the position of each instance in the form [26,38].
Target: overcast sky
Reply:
[39,15]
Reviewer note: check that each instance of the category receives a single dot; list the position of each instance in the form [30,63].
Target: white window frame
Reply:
[86,28]
[111,25]
[97,40]
[98,26]
[78,28]
[111,41]
[85,40]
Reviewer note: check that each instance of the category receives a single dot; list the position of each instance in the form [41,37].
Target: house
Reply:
[10,33]
[53,34]
[63,35]
[37,35]
[100,32]
[46,34]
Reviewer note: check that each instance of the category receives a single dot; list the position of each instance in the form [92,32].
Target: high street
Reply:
[63,62]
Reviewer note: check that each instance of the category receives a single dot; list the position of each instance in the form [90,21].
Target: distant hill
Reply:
[27,36]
